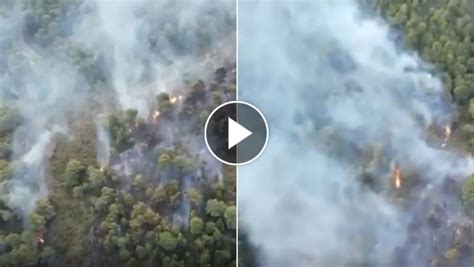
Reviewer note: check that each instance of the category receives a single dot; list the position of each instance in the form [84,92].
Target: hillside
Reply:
[103,159]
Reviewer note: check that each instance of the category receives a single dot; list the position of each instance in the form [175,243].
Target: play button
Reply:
[236,133]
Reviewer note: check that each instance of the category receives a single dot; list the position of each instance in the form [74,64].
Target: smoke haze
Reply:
[334,85]
[87,55]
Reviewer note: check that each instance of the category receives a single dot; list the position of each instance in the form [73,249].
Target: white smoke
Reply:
[332,83]
[29,183]
[103,144]
[149,45]
[86,56]
[43,89]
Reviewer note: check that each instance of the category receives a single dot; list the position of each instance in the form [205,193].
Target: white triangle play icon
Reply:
[236,133]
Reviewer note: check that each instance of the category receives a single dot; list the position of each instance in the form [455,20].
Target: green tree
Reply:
[196,225]
[47,253]
[195,197]
[6,215]
[468,189]
[45,209]
[230,217]
[96,177]
[165,160]
[5,170]
[471,108]
[168,241]
[452,255]
[37,221]
[14,240]
[73,173]
[131,116]
[215,207]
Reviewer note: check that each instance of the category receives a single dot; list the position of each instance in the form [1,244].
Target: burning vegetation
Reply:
[375,171]
[397,177]
[446,135]
[102,148]
[40,238]
[165,168]
[159,189]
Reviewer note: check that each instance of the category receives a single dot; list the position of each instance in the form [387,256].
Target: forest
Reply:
[435,198]
[102,159]
[442,33]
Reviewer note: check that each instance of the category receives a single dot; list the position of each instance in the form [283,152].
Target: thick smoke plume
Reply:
[103,143]
[148,46]
[89,56]
[335,87]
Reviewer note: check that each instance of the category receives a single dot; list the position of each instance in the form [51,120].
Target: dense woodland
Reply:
[101,216]
[156,202]
[104,216]
[441,32]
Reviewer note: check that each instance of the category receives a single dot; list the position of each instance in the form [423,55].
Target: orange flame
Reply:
[156,114]
[447,134]
[397,177]
[174,99]
[40,237]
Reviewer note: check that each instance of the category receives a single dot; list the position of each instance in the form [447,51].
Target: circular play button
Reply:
[236,133]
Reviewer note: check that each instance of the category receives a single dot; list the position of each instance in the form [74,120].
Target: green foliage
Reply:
[73,173]
[222,257]
[471,108]
[96,177]
[195,197]
[452,255]
[131,116]
[9,120]
[120,132]
[442,34]
[45,209]
[5,170]
[164,160]
[6,215]
[47,253]
[96,216]
[13,240]
[168,241]
[230,216]
[196,225]
[138,182]
[468,190]
[37,221]
[215,207]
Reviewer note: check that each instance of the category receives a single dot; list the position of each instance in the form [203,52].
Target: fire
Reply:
[156,114]
[397,177]
[174,99]
[40,237]
[447,134]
